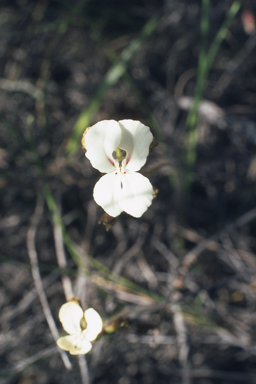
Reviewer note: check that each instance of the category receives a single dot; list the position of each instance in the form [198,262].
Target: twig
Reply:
[147,339]
[84,373]
[29,361]
[131,252]
[37,278]
[181,331]
[230,377]
[21,86]
[192,255]
[147,272]
[27,300]
[235,261]
[166,252]
[121,263]
[232,67]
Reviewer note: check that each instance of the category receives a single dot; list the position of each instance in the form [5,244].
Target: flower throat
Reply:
[119,155]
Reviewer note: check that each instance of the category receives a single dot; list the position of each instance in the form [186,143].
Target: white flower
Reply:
[120,149]
[82,327]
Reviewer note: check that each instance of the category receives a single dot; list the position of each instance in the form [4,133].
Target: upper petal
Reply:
[94,324]
[100,142]
[106,193]
[136,194]
[136,139]
[70,315]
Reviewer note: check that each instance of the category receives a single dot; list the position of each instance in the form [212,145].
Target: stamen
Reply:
[83,323]
[121,185]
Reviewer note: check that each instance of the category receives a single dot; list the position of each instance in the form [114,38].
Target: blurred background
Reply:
[176,286]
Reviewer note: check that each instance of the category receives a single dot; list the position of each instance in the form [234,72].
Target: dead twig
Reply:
[166,252]
[84,373]
[192,255]
[147,272]
[131,252]
[232,66]
[181,331]
[27,300]
[21,86]
[20,366]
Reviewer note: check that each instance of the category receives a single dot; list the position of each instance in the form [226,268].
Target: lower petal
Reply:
[136,194]
[74,344]
[106,193]
[64,343]
[85,347]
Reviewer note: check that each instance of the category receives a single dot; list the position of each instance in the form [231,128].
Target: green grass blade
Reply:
[222,33]
[205,63]
[110,79]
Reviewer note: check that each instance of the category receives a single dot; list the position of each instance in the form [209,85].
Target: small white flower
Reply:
[120,149]
[82,327]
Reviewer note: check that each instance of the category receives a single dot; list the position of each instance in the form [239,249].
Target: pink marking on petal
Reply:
[128,159]
[111,161]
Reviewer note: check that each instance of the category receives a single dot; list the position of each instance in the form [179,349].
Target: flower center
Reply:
[83,323]
[119,155]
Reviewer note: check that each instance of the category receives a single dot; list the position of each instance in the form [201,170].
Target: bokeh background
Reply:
[176,286]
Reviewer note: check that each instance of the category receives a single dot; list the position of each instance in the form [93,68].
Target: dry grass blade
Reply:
[67,285]
[37,278]
[61,258]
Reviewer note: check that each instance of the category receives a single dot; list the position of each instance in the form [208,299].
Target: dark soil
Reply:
[194,250]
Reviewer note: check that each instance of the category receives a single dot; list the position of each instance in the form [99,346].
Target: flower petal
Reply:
[94,324]
[84,348]
[136,194]
[100,142]
[64,342]
[141,139]
[74,344]
[70,315]
[106,193]
[126,142]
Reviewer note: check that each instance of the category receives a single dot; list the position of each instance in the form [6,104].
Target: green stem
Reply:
[205,62]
